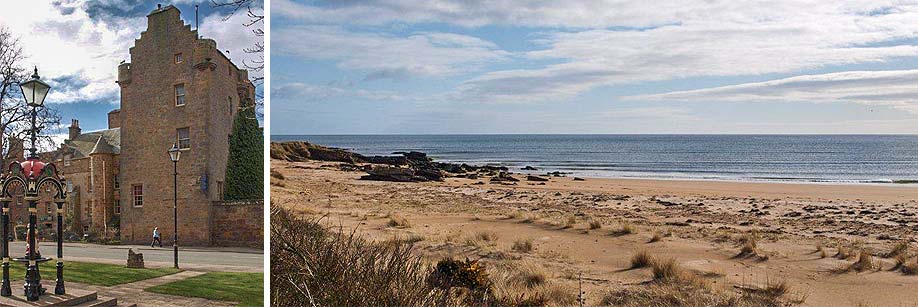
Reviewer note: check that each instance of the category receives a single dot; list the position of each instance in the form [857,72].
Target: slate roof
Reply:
[102,141]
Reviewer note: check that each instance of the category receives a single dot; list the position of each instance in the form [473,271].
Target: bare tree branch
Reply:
[15,115]
[256,23]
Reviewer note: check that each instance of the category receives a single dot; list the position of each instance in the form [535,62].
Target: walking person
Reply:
[156,238]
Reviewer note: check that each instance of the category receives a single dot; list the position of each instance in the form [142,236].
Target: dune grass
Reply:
[245,288]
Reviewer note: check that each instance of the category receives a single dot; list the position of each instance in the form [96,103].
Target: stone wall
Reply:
[238,223]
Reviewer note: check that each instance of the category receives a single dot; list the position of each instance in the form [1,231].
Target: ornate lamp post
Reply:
[31,175]
[174,154]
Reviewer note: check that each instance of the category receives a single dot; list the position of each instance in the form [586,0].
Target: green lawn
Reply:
[245,288]
[91,273]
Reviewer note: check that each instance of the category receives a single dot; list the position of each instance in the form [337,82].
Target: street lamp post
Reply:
[174,154]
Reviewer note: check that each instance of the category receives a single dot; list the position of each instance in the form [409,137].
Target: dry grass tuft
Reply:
[901,259]
[657,237]
[521,284]
[667,271]
[390,274]
[865,262]
[522,246]
[569,222]
[595,224]
[675,294]
[909,268]
[749,247]
[625,229]
[398,222]
[900,248]
[487,236]
[277,175]
[641,259]
[528,219]
[482,238]
[844,252]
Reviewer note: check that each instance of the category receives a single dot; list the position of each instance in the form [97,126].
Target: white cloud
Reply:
[897,89]
[666,113]
[65,43]
[308,92]
[233,35]
[71,45]
[598,43]
[386,56]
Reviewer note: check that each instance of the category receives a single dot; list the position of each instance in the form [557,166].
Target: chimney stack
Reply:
[74,129]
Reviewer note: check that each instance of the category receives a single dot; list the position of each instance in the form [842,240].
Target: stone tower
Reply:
[177,88]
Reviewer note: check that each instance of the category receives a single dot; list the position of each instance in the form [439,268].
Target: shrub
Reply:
[313,266]
[244,167]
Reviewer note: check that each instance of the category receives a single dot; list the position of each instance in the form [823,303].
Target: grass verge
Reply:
[245,288]
[100,274]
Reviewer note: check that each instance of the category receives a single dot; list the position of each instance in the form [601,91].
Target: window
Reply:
[117,183]
[85,228]
[66,162]
[48,205]
[178,58]
[180,94]
[137,193]
[229,101]
[117,206]
[183,138]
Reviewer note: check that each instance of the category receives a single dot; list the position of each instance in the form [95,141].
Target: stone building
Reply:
[180,89]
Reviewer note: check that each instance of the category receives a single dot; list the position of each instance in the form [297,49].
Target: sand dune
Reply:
[576,228]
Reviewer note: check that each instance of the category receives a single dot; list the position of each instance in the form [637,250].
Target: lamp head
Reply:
[34,91]
[174,153]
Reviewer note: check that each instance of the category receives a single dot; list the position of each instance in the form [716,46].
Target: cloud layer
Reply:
[78,44]
[591,44]
[897,89]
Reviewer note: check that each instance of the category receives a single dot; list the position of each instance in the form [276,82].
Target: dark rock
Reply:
[535,178]
[579,179]
[503,177]
[529,168]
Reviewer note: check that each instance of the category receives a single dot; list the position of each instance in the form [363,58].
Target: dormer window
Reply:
[180,94]
[178,58]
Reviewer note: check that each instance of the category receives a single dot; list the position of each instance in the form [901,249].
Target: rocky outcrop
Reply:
[409,166]
[304,151]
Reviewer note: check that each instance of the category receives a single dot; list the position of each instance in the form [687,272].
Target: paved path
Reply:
[133,293]
[190,258]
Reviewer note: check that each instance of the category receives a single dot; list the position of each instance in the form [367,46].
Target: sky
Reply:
[78,44]
[586,66]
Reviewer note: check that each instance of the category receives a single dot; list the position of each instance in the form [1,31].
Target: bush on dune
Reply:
[311,266]
[314,266]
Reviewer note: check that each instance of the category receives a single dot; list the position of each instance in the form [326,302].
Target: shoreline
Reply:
[886,192]
[853,182]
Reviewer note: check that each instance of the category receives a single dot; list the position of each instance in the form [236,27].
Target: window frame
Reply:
[134,195]
[179,139]
[178,58]
[176,95]
[116,206]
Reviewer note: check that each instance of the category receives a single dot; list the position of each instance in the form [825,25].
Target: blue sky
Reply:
[420,67]
[78,44]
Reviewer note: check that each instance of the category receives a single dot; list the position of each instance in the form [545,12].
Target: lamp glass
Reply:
[35,92]
[174,153]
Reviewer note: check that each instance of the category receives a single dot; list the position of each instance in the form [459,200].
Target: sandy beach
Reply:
[585,232]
